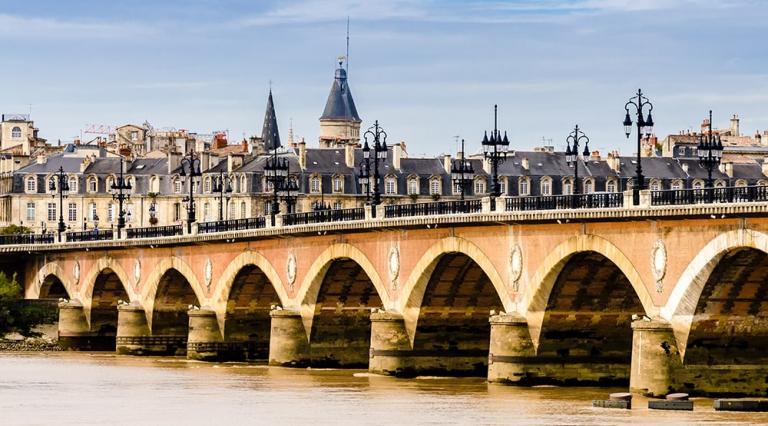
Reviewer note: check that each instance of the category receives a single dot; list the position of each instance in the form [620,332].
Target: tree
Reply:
[15,229]
[15,315]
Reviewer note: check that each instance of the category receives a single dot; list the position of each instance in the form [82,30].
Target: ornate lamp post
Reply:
[710,151]
[95,223]
[223,185]
[644,126]
[117,189]
[190,162]
[288,190]
[63,190]
[462,172]
[365,172]
[378,137]
[153,212]
[495,150]
[572,155]
[276,170]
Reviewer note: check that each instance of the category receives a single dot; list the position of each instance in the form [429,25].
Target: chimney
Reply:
[525,164]
[398,152]
[41,159]
[85,163]
[174,159]
[447,163]
[594,156]
[303,154]
[726,168]
[613,161]
[205,160]
[349,155]
[685,167]
[735,125]
[233,162]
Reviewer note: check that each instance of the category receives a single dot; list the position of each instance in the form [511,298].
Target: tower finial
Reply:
[347,56]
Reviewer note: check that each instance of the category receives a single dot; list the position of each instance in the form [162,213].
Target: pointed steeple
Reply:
[269,132]
[340,105]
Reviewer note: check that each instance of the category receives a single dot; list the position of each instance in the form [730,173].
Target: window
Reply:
[92,211]
[338,185]
[177,186]
[110,212]
[434,187]
[176,212]
[207,185]
[72,213]
[567,188]
[16,132]
[336,205]
[134,136]
[154,184]
[720,184]
[546,186]
[267,207]
[610,186]
[206,211]
[243,208]
[524,189]
[413,186]
[314,185]
[73,184]
[457,188]
[655,185]
[741,182]
[676,184]
[53,186]
[51,212]
[698,184]
[243,184]
[92,187]
[31,212]
[129,181]
[479,186]
[109,182]
[589,186]
[389,186]
[31,184]
[503,186]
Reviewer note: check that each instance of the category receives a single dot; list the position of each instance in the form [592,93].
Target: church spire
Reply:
[269,132]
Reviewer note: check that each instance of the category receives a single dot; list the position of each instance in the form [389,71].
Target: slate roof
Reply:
[340,105]
[269,132]
[70,165]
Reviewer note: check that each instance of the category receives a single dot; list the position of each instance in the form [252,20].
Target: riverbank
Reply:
[47,341]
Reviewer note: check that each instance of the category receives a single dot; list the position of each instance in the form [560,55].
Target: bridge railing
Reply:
[154,231]
[431,209]
[322,216]
[600,200]
[26,239]
[91,235]
[231,225]
[730,194]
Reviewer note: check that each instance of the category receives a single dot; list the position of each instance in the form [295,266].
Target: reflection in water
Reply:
[80,388]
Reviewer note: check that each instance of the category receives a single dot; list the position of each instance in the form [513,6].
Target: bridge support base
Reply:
[74,332]
[132,331]
[390,345]
[511,347]
[288,342]
[205,342]
[655,357]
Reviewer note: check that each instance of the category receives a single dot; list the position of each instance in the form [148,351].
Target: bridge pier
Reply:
[288,342]
[511,350]
[74,331]
[205,342]
[655,358]
[133,336]
[390,345]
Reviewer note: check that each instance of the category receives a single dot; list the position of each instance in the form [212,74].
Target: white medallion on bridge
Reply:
[76,271]
[208,272]
[394,264]
[659,264]
[516,266]
[290,270]
[137,271]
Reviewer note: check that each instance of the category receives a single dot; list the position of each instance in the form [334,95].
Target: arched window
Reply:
[655,185]
[503,186]
[177,185]
[589,186]
[109,182]
[720,183]
[314,185]
[243,208]
[390,185]
[72,184]
[91,211]
[762,182]
[338,184]
[523,187]
[434,186]
[207,185]
[93,184]
[698,184]
[130,181]
[413,186]
[31,184]
[741,182]
[610,185]
[154,184]
[676,184]
[16,132]
[567,187]
[479,186]
[546,186]
[243,184]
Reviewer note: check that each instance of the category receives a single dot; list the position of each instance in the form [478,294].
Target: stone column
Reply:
[288,341]
[74,331]
[510,349]
[133,337]
[654,357]
[390,345]
[204,341]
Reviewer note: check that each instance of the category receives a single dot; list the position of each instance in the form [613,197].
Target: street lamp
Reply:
[63,190]
[191,162]
[378,137]
[118,194]
[365,172]
[95,223]
[576,137]
[276,170]
[495,150]
[288,190]
[710,151]
[153,212]
[223,185]
[644,126]
[462,171]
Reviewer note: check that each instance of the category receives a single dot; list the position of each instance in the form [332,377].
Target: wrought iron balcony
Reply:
[322,216]
[92,235]
[154,231]
[731,194]
[26,239]
[430,209]
[231,225]
[559,202]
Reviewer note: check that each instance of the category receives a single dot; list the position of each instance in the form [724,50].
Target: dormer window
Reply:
[589,186]
[655,185]
[434,186]
[413,186]
[610,185]
[524,186]
[92,184]
[390,185]
[479,186]
[243,184]
[73,184]
[314,185]
[31,184]
[338,184]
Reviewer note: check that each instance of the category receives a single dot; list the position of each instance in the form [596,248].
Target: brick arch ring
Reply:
[534,300]
[149,291]
[416,286]
[681,305]
[52,268]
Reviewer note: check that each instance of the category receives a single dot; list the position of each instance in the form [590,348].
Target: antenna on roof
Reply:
[347,65]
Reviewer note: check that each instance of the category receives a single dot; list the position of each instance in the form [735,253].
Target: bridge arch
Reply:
[104,265]
[149,293]
[541,284]
[681,306]
[416,286]
[43,281]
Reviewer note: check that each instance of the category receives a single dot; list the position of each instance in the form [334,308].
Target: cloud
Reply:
[25,27]
[175,85]
[312,11]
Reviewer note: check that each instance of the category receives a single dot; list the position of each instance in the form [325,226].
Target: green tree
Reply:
[15,229]
[15,315]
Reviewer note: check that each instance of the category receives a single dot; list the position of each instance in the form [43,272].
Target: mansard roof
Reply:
[340,105]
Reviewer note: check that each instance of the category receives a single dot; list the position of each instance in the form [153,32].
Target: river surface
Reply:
[82,388]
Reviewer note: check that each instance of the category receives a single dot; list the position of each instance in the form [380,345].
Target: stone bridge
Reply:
[667,298]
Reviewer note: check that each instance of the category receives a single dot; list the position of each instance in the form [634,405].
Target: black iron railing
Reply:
[26,239]
[731,194]
[92,235]
[430,209]
[559,202]
[322,216]
[231,225]
[154,231]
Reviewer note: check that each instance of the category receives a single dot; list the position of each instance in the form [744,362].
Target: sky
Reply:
[427,70]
